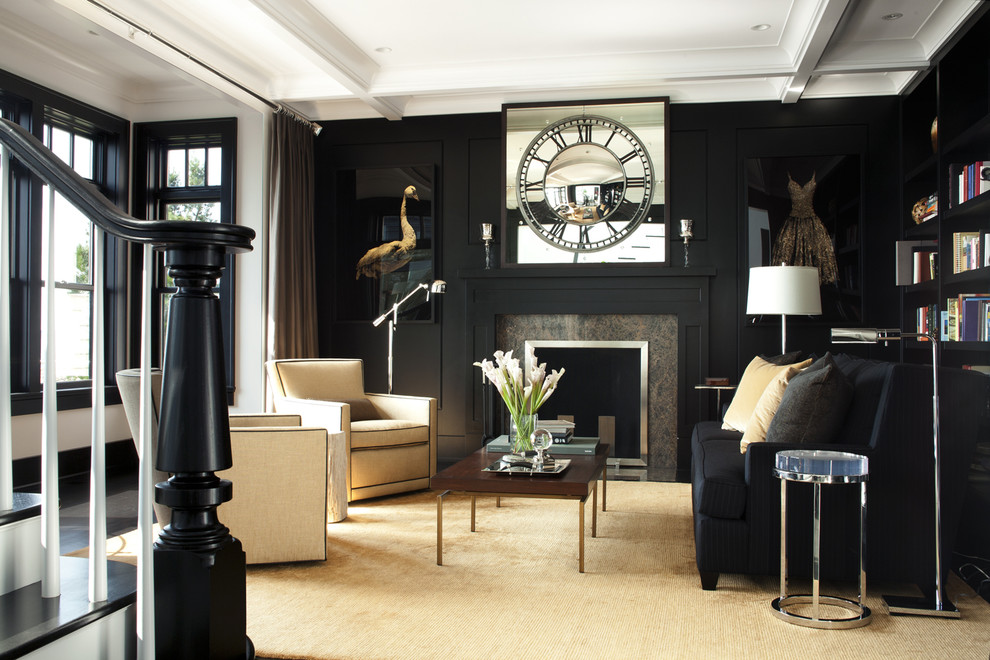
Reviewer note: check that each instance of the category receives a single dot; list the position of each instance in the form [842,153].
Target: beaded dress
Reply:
[803,240]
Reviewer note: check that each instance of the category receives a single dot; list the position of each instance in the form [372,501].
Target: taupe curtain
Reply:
[292,291]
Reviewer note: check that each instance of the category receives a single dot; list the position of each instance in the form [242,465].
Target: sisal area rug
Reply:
[512,590]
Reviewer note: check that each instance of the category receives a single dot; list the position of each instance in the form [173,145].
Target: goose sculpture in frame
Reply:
[392,255]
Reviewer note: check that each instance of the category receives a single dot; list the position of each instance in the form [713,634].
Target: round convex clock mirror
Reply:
[585,183]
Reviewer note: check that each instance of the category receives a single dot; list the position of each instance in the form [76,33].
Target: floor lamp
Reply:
[783,290]
[937,604]
[438,286]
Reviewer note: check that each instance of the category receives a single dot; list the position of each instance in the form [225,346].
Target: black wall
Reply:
[709,146]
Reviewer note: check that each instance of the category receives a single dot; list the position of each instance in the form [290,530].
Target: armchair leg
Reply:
[708,580]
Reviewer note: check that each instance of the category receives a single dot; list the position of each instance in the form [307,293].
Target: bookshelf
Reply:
[957,91]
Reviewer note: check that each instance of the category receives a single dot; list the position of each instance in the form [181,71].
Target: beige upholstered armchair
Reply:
[391,440]
[279,508]
[279,473]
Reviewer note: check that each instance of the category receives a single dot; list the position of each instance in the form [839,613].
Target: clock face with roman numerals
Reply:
[585,183]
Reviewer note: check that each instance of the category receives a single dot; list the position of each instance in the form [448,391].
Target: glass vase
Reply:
[521,433]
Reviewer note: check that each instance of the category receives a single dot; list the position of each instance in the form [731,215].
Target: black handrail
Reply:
[84,196]
[199,568]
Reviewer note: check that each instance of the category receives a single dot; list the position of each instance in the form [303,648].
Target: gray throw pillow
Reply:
[361,410]
[814,405]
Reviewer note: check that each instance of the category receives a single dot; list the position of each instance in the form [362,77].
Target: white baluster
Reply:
[6,434]
[98,472]
[145,585]
[50,583]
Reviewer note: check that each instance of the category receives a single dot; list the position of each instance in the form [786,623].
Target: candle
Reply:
[486,231]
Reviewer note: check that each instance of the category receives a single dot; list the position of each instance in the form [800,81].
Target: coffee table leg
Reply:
[440,526]
[581,539]
[594,511]
[604,484]
[473,500]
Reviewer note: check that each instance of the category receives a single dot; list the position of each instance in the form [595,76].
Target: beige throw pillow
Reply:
[755,379]
[766,408]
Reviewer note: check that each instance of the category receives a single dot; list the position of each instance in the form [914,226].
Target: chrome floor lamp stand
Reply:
[438,286]
[935,604]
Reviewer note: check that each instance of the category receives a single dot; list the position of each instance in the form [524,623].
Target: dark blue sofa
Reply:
[736,497]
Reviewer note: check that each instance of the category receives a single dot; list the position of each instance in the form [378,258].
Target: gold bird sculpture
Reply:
[392,255]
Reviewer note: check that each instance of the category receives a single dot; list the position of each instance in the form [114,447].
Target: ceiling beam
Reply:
[332,50]
[820,31]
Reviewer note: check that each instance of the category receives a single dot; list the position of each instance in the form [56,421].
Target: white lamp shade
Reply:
[784,290]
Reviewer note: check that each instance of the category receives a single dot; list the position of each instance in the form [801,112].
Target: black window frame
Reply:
[152,140]
[32,107]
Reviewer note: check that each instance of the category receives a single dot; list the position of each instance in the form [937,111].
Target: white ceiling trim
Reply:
[334,52]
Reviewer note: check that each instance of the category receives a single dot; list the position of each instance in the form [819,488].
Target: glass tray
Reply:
[504,467]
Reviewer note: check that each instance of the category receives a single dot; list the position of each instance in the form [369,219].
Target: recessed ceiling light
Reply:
[383,49]
[892,17]
[761,27]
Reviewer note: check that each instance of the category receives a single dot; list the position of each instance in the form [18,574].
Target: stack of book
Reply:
[561,429]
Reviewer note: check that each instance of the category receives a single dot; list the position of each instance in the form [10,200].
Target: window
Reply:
[92,143]
[185,171]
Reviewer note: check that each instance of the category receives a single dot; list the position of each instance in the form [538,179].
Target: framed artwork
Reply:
[586,183]
[386,229]
[798,206]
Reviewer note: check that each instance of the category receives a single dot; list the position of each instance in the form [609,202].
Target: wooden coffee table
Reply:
[577,482]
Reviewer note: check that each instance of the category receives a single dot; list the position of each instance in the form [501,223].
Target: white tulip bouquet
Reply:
[521,399]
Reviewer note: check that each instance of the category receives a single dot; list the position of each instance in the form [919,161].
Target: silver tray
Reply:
[518,467]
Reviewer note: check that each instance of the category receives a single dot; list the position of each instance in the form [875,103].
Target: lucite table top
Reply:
[824,467]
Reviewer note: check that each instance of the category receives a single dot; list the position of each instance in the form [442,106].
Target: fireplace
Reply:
[650,343]
[604,391]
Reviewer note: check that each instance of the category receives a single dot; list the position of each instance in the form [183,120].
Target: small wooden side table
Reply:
[337,475]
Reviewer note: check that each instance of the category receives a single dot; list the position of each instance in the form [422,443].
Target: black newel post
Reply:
[199,572]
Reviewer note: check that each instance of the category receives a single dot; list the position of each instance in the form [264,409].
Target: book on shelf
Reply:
[973,180]
[928,320]
[982,368]
[968,317]
[915,261]
[966,251]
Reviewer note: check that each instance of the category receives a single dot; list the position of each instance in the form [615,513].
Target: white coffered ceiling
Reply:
[331,59]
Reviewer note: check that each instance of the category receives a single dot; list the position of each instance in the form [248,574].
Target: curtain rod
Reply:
[277,107]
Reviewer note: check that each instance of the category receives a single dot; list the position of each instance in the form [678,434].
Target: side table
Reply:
[817,468]
[718,395]
[337,477]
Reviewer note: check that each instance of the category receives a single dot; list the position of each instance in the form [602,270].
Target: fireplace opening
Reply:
[604,391]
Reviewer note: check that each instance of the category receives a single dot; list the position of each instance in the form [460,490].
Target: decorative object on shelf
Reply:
[784,290]
[521,400]
[438,286]
[935,604]
[394,254]
[687,233]
[803,240]
[486,236]
[935,135]
[925,209]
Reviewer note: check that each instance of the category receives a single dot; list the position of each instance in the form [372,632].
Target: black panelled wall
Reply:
[709,146]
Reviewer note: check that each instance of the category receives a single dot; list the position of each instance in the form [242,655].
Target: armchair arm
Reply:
[420,409]
[242,420]
[331,415]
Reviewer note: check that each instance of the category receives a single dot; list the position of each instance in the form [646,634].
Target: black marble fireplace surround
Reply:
[665,306]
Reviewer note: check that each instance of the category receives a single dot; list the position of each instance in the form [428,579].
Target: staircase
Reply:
[186,597]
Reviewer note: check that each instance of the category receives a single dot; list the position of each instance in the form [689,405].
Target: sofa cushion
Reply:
[814,405]
[720,478]
[387,433]
[759,373]
[766,408]
[362,409]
